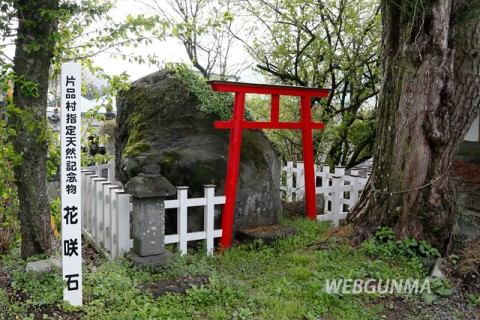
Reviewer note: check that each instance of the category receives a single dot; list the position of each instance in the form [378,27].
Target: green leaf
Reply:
[428,298]
[444,291]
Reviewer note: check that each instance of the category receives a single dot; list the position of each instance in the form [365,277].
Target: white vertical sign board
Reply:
[70,142]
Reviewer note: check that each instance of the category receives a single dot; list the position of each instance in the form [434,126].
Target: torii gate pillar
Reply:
[237,124]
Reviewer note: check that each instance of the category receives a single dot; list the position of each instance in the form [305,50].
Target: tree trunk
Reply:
[33,55]
[429,97]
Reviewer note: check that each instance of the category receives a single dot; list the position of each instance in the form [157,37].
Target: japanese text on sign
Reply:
[70,183]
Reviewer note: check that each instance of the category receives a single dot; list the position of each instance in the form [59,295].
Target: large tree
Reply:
[430,95]
[33,54]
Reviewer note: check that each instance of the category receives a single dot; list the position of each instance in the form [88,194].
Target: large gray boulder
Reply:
[159,128]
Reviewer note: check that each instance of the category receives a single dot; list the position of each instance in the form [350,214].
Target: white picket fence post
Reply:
[325,175]
[106,170]
[121,234]
[85,195]
[300,180]
[108,211]
[288,169]
[97,207]
[182,215]
[209,216]
[294,187]
[111,170]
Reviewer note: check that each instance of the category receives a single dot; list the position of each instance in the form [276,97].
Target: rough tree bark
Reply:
[429,97]
[33,55]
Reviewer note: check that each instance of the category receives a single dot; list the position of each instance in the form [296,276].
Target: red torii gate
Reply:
[238,123]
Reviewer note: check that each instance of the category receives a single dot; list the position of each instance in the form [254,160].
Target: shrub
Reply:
[383,243]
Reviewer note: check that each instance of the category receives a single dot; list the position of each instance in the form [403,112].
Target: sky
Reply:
[169,50]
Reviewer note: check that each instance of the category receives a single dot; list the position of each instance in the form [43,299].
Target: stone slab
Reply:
[158,261]
[148,226]
[44,265]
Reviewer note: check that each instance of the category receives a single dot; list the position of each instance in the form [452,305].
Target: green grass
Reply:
[283,281]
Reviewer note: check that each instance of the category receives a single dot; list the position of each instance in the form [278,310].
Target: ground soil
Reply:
[174,285]
[267,234]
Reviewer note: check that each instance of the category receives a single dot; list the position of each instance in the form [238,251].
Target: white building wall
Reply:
[474,132]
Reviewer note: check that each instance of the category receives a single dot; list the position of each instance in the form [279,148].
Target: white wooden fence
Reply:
[107,210]
[340,191]
[182,203]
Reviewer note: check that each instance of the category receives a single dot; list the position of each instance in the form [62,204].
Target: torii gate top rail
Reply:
[238,123]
